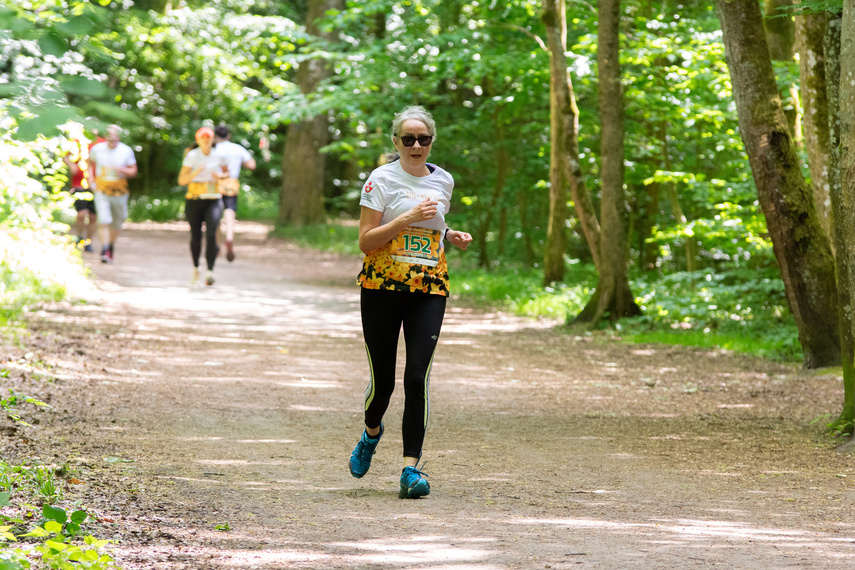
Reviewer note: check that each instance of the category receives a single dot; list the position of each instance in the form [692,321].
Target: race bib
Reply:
[203,190]
[109,174]
[417,246]
[111,187]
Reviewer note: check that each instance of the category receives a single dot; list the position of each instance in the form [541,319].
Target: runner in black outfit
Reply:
[203,167]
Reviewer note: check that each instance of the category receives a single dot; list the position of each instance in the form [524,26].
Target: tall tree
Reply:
[564,163]
[613,295]
[301,199]
[839,47]
[810,34]
[800,246]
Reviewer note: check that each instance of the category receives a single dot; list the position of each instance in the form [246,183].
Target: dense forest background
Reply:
[623,158]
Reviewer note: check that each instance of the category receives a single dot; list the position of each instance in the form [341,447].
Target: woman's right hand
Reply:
[426,210]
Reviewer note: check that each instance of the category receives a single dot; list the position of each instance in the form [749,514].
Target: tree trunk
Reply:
[800,246]
[564,164]
[302,196]
[556,232]
[648,252]
[691,243]
[781,40]
[840,53]
[613,295]
[503,159]
[522,205]
[780,32]
[810,33]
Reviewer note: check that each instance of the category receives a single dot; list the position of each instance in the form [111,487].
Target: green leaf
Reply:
[109,113]
[117,460]
[75,85]
[12,21]
[55,514]
[8,90]
[45,123]
[53,526]
[10,565]
[77,517]
[94,542]
[76,555]
[52,43]
[4,498]
[38,532]
[76,27]
[56,545]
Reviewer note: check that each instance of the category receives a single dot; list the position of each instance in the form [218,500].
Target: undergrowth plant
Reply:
[9,404]
[56,542]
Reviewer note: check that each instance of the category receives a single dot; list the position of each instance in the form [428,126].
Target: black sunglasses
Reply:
[410,140]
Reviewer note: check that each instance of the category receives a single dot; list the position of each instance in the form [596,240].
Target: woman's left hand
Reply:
[460,239]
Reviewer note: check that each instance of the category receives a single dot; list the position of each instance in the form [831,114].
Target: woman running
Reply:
[404,281]
[202,167]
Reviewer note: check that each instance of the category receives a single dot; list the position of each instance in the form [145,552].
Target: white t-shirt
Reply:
[107,159]
[389,189]
[211,163]
[235,155]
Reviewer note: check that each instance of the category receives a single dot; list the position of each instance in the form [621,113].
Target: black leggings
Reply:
[383,313]
[209,212]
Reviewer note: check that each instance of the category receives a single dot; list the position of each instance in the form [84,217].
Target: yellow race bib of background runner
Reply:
[417,246]
[111,187]
[228,186]
[202,190]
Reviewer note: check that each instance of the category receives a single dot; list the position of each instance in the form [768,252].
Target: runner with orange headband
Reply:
[203,167]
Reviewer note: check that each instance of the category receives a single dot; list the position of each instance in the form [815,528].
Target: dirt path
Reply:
[186,408]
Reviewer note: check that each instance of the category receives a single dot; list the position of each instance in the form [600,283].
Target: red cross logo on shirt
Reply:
[369,187]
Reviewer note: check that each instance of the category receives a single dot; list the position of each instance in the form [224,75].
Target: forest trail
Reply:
[187,408]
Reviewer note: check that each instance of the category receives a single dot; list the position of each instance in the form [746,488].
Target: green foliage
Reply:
[31,182]
[34,483]
[339,238]
[20,289]
[811,7]
[55,544]
[50,84]
[9,404]
[57,540]
[521,291]
[744,309]
[200,63]
[155,209]
[257,205]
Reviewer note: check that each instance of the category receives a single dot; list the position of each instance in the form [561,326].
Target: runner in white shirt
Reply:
[111,163]
[201,172]
[404,281]
[236,156]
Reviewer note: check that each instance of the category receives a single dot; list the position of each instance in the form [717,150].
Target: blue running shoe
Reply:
[413,483]
[360,459]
